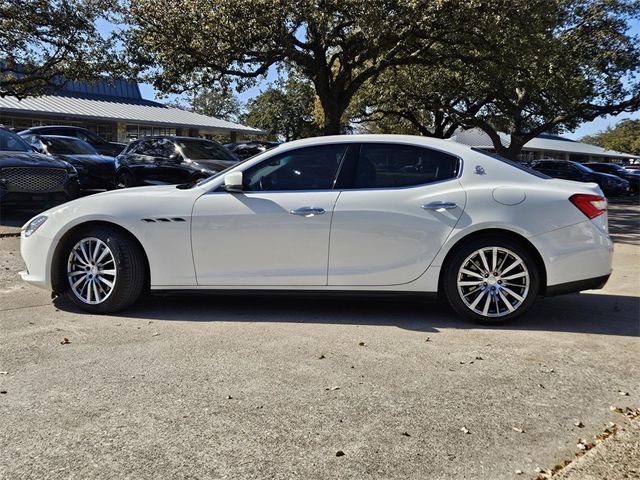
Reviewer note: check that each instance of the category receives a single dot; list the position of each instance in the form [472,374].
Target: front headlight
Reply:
[34,225]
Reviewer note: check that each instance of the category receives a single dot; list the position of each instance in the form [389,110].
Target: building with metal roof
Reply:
[547,146]
[114,110]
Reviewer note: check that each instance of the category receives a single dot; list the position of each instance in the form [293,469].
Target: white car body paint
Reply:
[369,239]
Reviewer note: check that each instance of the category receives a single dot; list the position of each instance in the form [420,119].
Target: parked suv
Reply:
[29,176]
[100,144]
[95,171]
[568,170]
[631,176]
[169,160]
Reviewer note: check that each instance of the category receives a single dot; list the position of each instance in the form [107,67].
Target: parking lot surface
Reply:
[288,387]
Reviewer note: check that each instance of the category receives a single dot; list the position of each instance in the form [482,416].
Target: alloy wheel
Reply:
[91,270]
[493,281]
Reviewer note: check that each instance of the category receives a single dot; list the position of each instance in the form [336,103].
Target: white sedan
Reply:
[371,213]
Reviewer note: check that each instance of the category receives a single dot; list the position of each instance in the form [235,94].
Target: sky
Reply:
[588,128]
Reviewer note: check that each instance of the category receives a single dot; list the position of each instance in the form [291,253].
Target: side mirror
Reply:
[233,182]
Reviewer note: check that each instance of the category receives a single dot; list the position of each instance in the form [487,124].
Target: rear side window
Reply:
[519,166]
[397,165]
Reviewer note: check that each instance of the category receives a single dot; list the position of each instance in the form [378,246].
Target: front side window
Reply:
[309,168]
[396,165]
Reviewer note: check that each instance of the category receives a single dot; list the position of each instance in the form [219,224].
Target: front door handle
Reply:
[439,206]
[307,211]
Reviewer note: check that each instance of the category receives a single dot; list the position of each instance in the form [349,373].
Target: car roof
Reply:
[446,145]
[62,137]
[49,127]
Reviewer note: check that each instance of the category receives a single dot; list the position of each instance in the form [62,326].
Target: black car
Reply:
[168,160]
[95,171]
[100,144]
[569,170]
[29,176]
[631,176]
[245,150]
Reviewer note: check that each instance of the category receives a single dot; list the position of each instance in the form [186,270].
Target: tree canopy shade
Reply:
[335,44]
[44,43]
[555,64]
[624,137]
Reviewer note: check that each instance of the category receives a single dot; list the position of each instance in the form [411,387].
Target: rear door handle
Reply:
[307,211]
[439,206]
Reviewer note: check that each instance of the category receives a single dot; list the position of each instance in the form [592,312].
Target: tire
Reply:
[125,180]
[103,270]
[477,294]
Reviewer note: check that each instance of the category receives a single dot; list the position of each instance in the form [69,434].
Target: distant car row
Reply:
[57,162]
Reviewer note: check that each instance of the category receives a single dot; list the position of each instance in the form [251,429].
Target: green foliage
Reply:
[554,64]
[624,137]
[337,45]
[219,102]
[284,110]
[46,42]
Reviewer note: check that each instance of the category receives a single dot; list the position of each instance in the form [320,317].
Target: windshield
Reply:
[10,142]
[581,167]
[204,150]
[68,146]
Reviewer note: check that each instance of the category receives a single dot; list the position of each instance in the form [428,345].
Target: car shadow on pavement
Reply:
[577,313]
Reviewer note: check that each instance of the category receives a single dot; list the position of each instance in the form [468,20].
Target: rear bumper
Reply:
[576,255]
[577,286]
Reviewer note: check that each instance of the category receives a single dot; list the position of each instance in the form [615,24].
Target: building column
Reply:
[121,132]
[233,137]
[194,132]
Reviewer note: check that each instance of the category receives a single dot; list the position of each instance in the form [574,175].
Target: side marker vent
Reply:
[163,220]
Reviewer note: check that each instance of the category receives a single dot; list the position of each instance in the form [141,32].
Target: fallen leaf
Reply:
[229,397]
[65,341]
[361,344]
[516,429]
[335,388]
[625,394]
[3,391]
[518,472]
[479,358]
[406,434]
[155,334]
[465,430]
[4,373]
[321,357]
[339,453]
[613,408]
[427,339]
[579,424]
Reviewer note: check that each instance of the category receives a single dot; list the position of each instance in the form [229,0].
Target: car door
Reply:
[274,233]
[394,214]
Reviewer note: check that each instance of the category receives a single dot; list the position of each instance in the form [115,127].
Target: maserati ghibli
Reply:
[366,213]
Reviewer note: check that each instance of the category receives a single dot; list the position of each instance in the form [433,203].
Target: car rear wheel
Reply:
[492,280]
[104,270]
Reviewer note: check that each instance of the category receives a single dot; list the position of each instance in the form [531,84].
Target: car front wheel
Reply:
[104,270]
[492,280]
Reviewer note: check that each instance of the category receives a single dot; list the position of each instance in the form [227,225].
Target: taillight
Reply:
[590,205]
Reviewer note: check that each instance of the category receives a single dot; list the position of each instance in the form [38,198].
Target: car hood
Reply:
[85,158]
[28,159]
